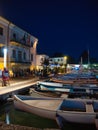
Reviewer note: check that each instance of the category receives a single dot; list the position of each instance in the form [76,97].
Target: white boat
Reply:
[44,107]
[51,86]
[83,90]
[71,110]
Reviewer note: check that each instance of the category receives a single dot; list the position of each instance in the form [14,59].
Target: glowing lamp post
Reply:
[5,57]
[65,61]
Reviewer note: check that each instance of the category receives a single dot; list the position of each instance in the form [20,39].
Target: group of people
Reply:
[5,77]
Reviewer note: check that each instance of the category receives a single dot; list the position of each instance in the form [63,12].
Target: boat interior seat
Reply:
[73,106]
[89,108]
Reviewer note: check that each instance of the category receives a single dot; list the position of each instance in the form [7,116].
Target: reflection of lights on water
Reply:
[7,118]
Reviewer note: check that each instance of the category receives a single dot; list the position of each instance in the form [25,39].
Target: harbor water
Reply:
[10,115]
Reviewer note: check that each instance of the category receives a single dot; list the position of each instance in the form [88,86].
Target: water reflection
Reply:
[9,115]
[7,118]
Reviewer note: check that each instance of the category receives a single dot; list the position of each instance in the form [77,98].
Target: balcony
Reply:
[17,42]
[19,61]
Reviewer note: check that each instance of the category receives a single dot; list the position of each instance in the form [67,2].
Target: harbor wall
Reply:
[4,126]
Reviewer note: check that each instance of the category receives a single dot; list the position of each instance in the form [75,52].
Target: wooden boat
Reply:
[33,91]
[75,81]
[71,110]
[50,84]
[55,87]
[44,107]
[77,78]
[83,90]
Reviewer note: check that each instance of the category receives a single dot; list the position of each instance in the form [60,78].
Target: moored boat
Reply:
[90,90]
[55,87]
[71,110]
[44,107]
[50,84]
[76,78]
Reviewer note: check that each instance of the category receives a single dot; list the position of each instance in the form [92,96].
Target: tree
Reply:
[70,60]
[45,64]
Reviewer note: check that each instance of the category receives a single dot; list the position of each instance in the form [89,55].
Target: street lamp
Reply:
[5,57]
[65,59]
[65,62]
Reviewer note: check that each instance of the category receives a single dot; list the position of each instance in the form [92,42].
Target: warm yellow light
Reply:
[11,73]
[65,57]
[1,65]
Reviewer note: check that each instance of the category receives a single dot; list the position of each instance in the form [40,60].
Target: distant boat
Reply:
[82,78]
[71,110]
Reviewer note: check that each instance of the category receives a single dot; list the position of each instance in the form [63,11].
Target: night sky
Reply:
[66,26]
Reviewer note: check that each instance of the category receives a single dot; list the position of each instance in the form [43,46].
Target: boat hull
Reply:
[24,106]
[84,118]
[70,110]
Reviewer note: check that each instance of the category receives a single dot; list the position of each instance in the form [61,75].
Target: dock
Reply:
[16,87]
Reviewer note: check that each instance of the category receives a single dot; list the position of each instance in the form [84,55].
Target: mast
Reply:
[88,59]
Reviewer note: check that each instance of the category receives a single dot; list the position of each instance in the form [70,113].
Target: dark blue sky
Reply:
[67,26]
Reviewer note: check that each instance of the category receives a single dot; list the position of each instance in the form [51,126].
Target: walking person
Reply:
[5,77]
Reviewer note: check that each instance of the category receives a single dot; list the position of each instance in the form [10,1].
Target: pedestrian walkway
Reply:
[17,85]
[19,80]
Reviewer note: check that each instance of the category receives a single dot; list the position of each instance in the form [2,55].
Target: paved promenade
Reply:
[17,84]
[18,80]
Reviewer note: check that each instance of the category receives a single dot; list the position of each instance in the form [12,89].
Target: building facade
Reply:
[39,60]
[58,61]
[20,46]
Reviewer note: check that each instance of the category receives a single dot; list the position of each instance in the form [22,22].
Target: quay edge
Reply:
[17,88]
[4,126]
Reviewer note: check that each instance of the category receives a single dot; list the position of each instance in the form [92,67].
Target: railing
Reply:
[20,42]
[19,61]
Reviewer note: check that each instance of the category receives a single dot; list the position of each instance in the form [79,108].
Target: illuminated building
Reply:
[58,61]
[59,64]
[39,60]
[20,45]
